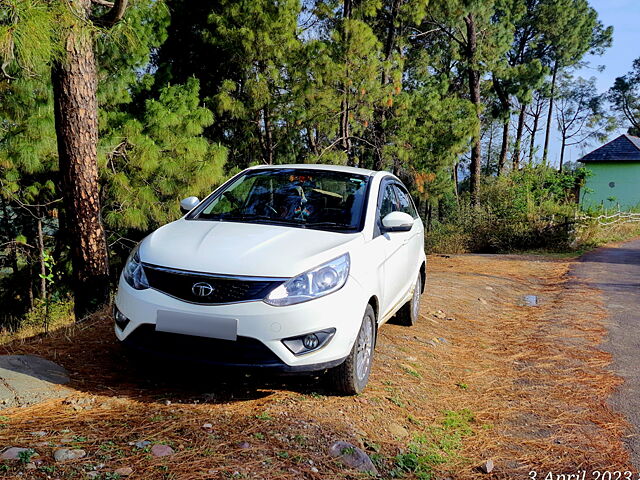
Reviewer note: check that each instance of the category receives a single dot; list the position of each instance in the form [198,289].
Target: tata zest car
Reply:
[291,268]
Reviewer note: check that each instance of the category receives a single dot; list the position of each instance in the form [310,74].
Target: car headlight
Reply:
[133,271]
[318,282]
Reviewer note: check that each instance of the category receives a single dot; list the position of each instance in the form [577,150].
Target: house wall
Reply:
[612,180]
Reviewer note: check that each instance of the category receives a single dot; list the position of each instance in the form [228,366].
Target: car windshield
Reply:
[321,199]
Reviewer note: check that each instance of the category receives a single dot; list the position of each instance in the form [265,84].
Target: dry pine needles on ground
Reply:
[481,376]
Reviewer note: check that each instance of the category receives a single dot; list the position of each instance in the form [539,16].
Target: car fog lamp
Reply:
[311,341]
[121,320]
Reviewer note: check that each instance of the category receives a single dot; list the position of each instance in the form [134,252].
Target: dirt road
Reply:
[616,272]
[482,376]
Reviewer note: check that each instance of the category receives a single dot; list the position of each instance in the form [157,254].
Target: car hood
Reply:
[242,248]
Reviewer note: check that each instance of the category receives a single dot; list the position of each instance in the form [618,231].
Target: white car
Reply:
[291,268]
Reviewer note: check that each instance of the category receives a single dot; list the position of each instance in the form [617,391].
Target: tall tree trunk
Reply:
[534,131]
[345,133]
[504,147]
[311,141]
[43,268]
[74,89]
[266,137]
[519,131]
[474,93]
[454,177]
[489,151]
[381,112]
[562,148]
[554,75]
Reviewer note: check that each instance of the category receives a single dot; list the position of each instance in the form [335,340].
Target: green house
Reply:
[615,175]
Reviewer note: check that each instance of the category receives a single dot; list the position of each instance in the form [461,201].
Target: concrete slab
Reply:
[29,379]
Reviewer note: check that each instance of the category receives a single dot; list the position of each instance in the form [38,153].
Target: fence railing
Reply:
[614,218]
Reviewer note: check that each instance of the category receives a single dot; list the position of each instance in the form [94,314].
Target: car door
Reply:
[415,240]
[395,251]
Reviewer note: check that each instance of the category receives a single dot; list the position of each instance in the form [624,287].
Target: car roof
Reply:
[318,166]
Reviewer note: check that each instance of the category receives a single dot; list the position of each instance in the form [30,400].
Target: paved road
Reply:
[616,271]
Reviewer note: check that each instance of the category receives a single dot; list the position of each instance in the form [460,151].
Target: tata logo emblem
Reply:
[202,289]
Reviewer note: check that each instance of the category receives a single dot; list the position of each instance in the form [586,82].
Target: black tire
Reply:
[346,378]
[408,315]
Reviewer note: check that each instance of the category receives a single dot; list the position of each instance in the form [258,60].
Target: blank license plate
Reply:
[198,325]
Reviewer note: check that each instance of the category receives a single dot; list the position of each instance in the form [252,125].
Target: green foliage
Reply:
[191,91]
[439,445]
[25,455]
[150,163]
[625,97]
[530,209]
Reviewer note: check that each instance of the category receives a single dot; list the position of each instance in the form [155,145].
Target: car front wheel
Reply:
[351,377]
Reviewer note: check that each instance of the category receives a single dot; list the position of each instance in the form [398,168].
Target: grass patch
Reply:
[438,445]
[411,371]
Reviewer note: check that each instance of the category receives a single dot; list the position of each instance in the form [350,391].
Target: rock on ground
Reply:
[29,379]
[13,453]
[352,456]
[65,454]
[487,466]
[161,450]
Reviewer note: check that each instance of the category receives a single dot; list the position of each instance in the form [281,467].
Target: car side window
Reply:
[404,201]
[388,202]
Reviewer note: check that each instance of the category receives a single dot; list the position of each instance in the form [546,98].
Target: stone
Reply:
[29,379]
[30,466]
[142,444]
[13,453]
[244,445]
[487,466]
[439,314]
[66,454]
[41,433]
[159,450]
[314,469]
[398,430]
[92,474]
[207,426]
[352,456]
[123,471]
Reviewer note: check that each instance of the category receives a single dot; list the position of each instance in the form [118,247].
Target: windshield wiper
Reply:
[340,226]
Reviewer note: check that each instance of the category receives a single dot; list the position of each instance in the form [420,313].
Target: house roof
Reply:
[625,148]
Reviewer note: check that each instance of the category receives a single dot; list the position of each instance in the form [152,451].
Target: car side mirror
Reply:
[397,222]
[188,204]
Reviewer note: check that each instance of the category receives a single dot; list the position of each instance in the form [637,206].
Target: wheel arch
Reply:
[375,304]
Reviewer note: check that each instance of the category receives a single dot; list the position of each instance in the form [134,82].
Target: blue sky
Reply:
[624,16]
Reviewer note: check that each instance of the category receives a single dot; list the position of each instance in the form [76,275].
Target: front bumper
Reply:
[260,329]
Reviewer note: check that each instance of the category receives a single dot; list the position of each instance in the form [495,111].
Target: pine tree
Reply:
[480,34]
[625,97]
[570,29]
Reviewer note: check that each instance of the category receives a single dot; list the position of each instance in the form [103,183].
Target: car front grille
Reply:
[245,351]
[206,288]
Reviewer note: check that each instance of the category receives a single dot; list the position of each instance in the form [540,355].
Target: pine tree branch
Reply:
[114,15]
